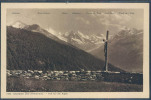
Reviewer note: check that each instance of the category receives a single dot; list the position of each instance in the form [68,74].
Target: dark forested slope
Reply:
[32,50]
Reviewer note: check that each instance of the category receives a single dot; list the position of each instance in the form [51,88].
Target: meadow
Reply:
[19,84]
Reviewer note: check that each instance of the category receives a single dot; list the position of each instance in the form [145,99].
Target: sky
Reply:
[87,21]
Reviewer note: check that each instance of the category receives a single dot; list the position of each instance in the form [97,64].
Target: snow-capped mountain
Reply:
[19,24]
[75,38]
[34,28]
[126,33]
[81,40]
[125,50]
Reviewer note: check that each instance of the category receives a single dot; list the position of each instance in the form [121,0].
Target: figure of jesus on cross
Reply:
[105,51]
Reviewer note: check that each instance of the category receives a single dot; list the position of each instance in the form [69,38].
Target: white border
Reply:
[145,6]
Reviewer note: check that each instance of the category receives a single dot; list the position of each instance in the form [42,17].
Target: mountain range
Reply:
[76,38]
[125,49]
[81,40]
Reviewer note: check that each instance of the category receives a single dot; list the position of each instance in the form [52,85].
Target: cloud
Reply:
[112,19]
[52,31]
[114,22]
[116,18]
[83,20]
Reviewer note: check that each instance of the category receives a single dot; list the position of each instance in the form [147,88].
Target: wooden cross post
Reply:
[105,51]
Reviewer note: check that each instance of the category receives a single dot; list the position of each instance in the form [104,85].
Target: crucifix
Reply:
[105,51]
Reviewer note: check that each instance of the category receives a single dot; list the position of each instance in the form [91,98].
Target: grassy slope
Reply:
[22,85]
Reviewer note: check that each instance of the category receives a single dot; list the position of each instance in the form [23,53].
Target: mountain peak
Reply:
[129,32]
[81,34]
[18,24]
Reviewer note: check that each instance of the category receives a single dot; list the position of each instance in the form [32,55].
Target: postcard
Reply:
[75,50]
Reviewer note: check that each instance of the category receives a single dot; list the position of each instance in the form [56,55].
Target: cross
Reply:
[105,51]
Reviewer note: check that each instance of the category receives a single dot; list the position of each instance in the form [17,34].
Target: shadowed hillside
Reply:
[32,50]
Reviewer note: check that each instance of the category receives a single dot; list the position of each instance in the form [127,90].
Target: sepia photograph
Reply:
[74,50]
